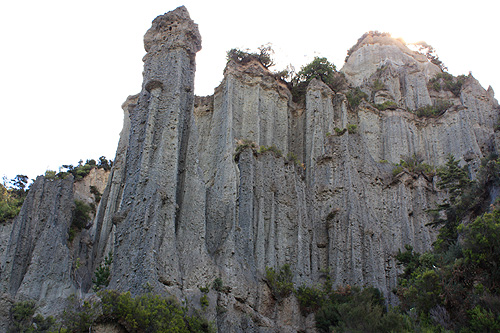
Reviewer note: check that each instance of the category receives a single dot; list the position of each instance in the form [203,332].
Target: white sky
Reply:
[67,66]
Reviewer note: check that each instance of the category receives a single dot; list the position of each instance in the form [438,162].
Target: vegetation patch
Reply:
[280,281]
[435,110]
[12,195]
[80,218]
[455,286]
[272,148]
[355,96]
[218,285]
[446,81]
[386,105]
[23,319]
[339,131]
[413,164]
[264,56]
[102,274]
[352,128]
[82,169]
[321,69]
[146,313]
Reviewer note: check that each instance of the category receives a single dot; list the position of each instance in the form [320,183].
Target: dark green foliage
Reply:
[419,285]
[435,110]
[446,81]
[50,174]
[146,313]
[218,285]
[102,275]
[82,170]
[352,128]
[264,56]
[387,105]
[104,163]
[481,248]
[349,309]
[79,315]
[310,298]
[204,301]
[96,193]
[12,198]
[280,281]
[413,164]
[482,320]
[22,319]
[80,218]
[455,180]
[150,313]
[355,96]
[291,157]
[339,131]
[273,149]
[456,284]
[320,68]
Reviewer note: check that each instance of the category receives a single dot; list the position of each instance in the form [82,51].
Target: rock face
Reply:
[226,185]
[37,262]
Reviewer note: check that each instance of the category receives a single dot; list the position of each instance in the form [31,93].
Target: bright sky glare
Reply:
[66,66]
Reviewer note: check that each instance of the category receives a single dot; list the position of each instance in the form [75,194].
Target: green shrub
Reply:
[50,174]
[433,110]
[204,301]
[96,193]
[413,164]
[482,320]
[448,82]
[102,275]
[386,105]
[79,316]
[12,198]
[351,309]
[355,96]
[150,313]
[273,149]
[291,157]
[310,298]
[339,131]
[264,56]
[80,218]
[352,128]
[320,69]
[218,285]
[280,282]
[22,319]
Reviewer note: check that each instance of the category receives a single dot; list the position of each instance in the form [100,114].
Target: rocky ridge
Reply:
[187,201]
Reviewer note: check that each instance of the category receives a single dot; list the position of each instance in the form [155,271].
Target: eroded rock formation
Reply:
[186,202]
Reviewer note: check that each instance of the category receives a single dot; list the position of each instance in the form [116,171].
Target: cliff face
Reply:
[186,202]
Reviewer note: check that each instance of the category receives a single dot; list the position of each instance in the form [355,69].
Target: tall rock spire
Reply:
[147,218]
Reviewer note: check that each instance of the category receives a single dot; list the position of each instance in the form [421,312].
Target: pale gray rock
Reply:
[38,261]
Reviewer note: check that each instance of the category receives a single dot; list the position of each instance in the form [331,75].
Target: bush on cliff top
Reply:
[12,195]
